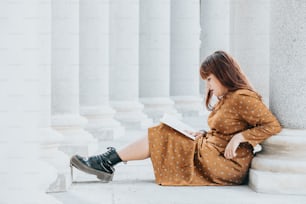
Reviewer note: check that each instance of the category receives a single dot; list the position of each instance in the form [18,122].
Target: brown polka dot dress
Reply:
[178,160]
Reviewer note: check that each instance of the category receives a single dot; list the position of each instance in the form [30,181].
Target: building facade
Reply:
[74,72]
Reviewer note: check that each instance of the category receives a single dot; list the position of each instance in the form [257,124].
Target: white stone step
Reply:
[288,142]
[276,182]
[274,163]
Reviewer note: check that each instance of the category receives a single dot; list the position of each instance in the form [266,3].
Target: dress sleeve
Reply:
[262,123]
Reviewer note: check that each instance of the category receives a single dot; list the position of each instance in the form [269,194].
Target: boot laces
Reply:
[105,155]
[109,152]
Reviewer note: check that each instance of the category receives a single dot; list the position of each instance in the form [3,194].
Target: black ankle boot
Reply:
[100,165]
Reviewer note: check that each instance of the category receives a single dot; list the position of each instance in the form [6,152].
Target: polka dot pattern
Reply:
[178,160]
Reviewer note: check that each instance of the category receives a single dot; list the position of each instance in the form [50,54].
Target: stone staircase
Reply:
[281,166]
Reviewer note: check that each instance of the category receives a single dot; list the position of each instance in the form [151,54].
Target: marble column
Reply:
[65,79]
[154,58]
[249,41]
[184,56]
[281,167]
[124,63]
[50,139]
[24,176]
[94,70]
[215,28]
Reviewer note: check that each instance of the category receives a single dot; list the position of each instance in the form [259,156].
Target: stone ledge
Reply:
[289,142]
[275,182]
[278,164]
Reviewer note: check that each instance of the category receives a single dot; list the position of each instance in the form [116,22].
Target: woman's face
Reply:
[214,85]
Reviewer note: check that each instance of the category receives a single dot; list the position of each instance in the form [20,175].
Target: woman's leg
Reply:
[103,165]
[137,150]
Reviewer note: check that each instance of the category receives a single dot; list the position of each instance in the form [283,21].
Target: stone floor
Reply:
[133,183]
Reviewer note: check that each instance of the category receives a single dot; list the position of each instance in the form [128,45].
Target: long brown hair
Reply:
[227,71]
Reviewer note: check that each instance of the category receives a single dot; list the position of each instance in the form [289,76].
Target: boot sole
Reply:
[103,176]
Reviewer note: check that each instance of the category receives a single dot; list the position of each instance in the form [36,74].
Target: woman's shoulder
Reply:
[244,93]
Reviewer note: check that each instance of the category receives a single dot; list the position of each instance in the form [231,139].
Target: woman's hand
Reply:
[230,150]
[196,134]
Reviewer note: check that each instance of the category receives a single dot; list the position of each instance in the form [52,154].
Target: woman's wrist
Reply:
[203,132]
[240,137]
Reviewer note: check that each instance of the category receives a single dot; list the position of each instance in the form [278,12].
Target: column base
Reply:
[188,105]
[101,123]
[191,108]
[281,166]
[60,161]
[130,114]
[51,140]
[76,140]
[25,178]
[156,107]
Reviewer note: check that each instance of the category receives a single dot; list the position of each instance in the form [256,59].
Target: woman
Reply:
[222,156]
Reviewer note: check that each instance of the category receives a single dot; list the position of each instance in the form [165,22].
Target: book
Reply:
[178,125]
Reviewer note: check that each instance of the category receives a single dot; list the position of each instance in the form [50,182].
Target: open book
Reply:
[178,125]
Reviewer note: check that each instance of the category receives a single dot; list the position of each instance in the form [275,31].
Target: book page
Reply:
[178,125]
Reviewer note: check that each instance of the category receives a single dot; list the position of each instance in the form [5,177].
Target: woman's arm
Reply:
[262,122]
